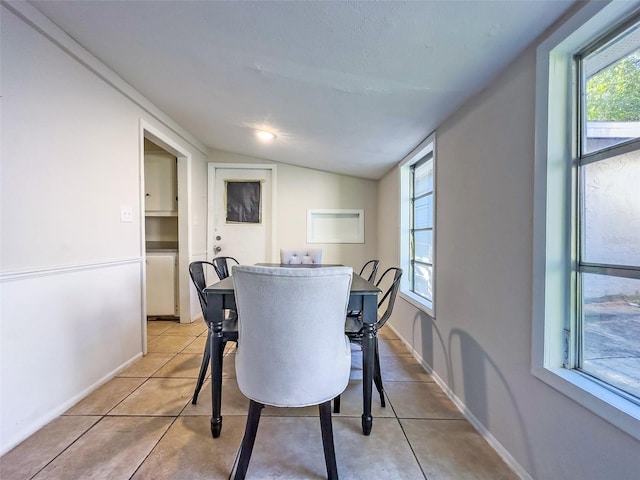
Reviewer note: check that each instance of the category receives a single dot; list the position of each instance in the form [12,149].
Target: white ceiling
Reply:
[348,87]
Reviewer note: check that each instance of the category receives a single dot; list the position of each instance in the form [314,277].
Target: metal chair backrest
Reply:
[221,266]
[390,295]
[196,272]
[373,265]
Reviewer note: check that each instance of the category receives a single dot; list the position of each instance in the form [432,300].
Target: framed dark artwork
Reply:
[243,201]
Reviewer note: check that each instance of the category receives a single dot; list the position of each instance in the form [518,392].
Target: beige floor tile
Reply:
[229,365]
[400,369]
[188,451]
[357,456]
[147,365]
[112,449]
[288,448]
[385,454]
[351,402]
[420,400]
[157,396]
[158,327]
[106,397]
[26,459]
[453,450]
[183,365]
[187,329]
[386,332]
[396,348]
[233,401]
[169,343]
[393,368]
[197,346]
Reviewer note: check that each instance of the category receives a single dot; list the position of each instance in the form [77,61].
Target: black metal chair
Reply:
[354,327]
[229,326]
[369,270]
[221,266]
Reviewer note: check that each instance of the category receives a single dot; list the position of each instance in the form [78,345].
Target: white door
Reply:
[248,238]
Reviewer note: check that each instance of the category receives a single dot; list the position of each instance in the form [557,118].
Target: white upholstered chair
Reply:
[301,256]
[294,351]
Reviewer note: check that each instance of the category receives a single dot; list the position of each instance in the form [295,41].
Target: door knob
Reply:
[217,249]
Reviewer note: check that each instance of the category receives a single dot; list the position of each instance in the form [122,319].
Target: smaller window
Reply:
[421,233]
[417,226]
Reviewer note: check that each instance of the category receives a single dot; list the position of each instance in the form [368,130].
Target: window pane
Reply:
[424,246]
[423,180]
[611,330]
[423,212]
[422,282]
[611,227]
[612,92]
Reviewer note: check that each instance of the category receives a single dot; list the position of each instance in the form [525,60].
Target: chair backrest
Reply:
[221,266]
[197,274]
[390,277]
[291,327]
[295,257]
[369,270]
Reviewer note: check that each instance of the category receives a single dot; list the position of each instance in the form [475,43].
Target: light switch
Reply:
[126,214]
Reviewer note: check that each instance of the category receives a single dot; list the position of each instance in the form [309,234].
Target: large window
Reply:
[607,339]
[417,216]
[586,259]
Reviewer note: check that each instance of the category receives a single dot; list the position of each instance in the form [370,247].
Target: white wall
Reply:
[479,344]
[299,189]
[71,272]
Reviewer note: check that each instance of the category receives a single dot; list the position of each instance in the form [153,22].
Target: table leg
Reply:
[368,352]
[216,348]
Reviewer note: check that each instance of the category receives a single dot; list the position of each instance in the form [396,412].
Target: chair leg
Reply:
[377,375]
[327,440]
[336,404]
[206,356]
[249,439]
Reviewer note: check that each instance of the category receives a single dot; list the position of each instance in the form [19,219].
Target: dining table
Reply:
[220,296]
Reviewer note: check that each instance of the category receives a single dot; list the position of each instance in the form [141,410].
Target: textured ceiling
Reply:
[347,87]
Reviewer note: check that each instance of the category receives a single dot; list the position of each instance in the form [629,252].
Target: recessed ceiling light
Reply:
[264,135]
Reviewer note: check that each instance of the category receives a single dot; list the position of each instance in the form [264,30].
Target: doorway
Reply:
[161,232]
[248,238]
[183,159]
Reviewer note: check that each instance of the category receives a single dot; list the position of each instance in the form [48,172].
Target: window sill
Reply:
[418,302]
[613,408]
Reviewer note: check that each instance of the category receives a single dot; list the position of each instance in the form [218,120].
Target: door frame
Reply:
[184,227]
[211,191]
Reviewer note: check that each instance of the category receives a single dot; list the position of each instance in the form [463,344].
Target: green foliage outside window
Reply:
[613,94]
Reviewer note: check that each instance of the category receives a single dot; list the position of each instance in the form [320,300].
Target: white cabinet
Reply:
[161,285]
[161,184]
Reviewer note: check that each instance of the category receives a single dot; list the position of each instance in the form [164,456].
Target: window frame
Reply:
[554,295]
[425,148]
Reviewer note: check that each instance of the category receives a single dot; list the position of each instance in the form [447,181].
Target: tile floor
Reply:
[142,425]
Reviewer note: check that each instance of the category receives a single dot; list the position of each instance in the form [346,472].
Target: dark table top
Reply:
[300,265]
[358,284]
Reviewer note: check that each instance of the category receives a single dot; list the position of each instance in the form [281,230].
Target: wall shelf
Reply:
[335,226]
